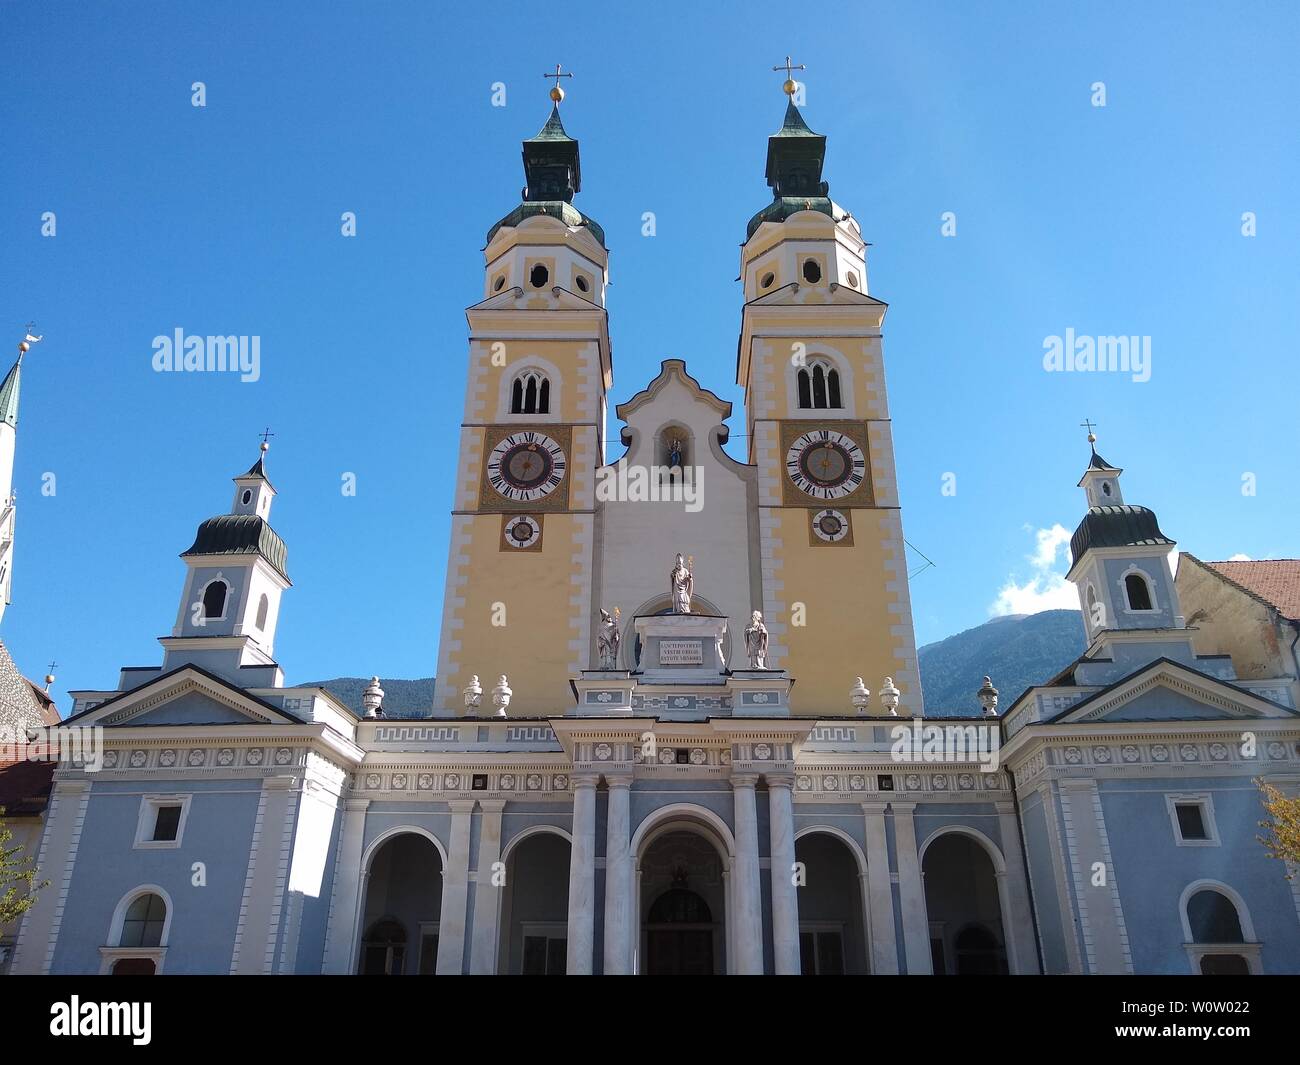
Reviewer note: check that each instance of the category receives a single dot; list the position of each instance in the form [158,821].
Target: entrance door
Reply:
[679,935]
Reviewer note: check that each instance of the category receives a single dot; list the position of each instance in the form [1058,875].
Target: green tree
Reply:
[1283,838]
[18,884]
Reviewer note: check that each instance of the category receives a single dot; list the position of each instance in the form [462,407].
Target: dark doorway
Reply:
[679,935]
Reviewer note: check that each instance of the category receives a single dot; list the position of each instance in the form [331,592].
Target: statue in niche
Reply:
[608,639]
[675,453]
[681,583]
[756,641]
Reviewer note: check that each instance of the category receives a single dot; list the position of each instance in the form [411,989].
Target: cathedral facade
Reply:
[641,786]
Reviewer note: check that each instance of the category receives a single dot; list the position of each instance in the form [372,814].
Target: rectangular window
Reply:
[428,951]
[545,955]
[821,951]
[1191,821]
[167,823]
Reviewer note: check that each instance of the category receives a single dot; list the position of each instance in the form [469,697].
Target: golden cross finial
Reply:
[790,84]
[1090,426]
[557,94]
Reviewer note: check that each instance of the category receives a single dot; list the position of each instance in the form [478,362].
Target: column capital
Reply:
[584,779]
[492,806]
[875,808]
[618,779]
[355,805]
[779,779]
[744,780]
[461,806]
[907,808]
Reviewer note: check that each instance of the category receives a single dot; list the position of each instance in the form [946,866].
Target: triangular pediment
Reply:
[796,295]
[186,696]
[1166,690]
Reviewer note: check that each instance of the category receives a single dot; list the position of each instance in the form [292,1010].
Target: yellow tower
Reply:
[518,594]
[810,361]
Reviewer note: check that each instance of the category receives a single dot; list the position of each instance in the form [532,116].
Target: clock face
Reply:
[826,464]
[830,526]
[525,466]
[522,531]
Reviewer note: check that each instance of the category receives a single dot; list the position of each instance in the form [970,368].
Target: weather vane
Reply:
[29,338]
[557,94]
[790,86]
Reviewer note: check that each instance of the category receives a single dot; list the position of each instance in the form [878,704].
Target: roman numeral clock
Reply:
[827,471]
[525,475]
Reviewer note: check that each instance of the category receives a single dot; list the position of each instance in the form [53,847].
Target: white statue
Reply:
[681,581]
[756,641]
[501,695]
[608,639]
[473,693]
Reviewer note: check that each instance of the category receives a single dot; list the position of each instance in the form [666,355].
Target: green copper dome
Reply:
[794,173]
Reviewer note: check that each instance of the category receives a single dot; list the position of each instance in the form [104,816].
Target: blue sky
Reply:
[1124,219]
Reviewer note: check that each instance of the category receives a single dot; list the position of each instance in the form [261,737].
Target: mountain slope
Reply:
[402,698]
[1016,651]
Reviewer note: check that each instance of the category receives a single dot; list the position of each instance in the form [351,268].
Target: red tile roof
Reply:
[25,786]
[1275,581]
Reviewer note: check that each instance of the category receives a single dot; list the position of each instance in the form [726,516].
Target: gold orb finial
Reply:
[790,87]
[557,94]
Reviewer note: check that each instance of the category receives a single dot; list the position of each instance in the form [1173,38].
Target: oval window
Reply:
[581,282]
[812,272]
[768,278]
[853,279]
[500,281]
[539,276]
[246,497]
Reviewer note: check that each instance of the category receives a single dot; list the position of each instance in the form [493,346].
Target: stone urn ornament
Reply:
[473,693]
[372,699]
[988,697]
[860,696]
[889,696]
[501,695]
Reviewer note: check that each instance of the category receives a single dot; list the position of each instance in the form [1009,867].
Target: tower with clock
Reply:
[520,567]
[811,365]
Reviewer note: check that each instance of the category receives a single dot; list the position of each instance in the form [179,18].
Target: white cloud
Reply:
[1240,558]
[1046,588]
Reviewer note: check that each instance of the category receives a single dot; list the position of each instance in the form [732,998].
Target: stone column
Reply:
[582,877]
[1018,916]
[618,877]
[911,892]
[455,892]
[785,896]
[747,923]
[349,879]
[879,895]
[487,893]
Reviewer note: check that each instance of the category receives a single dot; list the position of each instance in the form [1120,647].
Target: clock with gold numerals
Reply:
[526,466]
[826,464]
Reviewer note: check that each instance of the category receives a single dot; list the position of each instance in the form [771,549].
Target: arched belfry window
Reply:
[144,921]
[530,394]
[214,599]
[264,604]
[1138,592]
[819,386]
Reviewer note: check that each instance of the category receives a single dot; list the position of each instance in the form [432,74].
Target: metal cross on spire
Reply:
[266,435]
[1090,426]
[557,94]
[790,84]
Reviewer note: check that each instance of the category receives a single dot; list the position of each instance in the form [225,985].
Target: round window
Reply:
[581,282]
[500,281]
[539,276]
[768,278]
[852,279]
[247,497]
[812,272]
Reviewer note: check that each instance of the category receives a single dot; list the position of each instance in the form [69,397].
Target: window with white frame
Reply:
[161,823]
[1137,592]
[1192,817]
[819,386]
[530,393]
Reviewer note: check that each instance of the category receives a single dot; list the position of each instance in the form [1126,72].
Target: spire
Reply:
[553,172]
[795,155]
[9,393]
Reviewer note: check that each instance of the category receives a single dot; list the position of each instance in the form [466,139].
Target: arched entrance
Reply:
[683,905]
[964,907]
[535,905]
[403,902]
[833,937]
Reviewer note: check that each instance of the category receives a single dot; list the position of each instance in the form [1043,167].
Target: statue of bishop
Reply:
[756,641]
[608,638]
[681,582]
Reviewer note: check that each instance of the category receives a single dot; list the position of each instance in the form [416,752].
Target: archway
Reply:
[403,902]
[535,905]
[683,894]
[964,906]
[833,937]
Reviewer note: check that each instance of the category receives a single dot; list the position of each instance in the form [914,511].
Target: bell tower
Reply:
[518,597]
[810,361]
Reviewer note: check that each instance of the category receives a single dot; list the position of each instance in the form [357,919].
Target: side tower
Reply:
[519,572]
[810,362]
[9,389]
